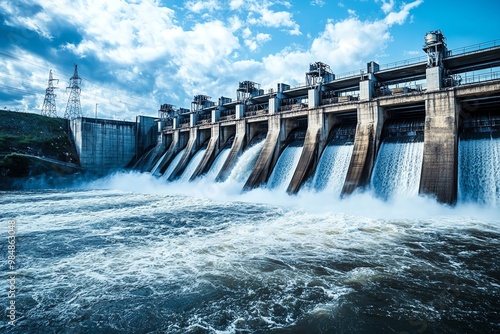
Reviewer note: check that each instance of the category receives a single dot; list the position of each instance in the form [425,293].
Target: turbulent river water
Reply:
[133,253]
[127,254]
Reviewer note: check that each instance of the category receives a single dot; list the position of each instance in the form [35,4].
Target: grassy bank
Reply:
[24,134]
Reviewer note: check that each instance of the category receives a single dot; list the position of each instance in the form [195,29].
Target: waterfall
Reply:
[334,162]
[157,165]
[218,163]
[172,165]
[398,167]
[285,167]
[479,170]
[332,168]
[193,163]
[244,166]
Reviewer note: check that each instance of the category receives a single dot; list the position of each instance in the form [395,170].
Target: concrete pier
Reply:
[213,149]
[177,142]
[309,157]
[269,152]
[239,144]
[191,148]
[366,142]
[440,161]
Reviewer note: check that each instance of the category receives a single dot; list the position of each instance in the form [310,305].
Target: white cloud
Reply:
[235,23]
[254,43]
[319,3]
[342,44]
[400,17]
[236,4]
[387,6]
[143,45]
[270,18]
[200,6]
[263,37]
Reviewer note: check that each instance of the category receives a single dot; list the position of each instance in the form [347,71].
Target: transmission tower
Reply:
[74,108]
[49,103]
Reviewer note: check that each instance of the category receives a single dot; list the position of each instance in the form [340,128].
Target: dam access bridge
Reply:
[439,97]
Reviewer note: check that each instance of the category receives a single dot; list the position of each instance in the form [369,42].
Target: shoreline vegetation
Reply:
[34,146]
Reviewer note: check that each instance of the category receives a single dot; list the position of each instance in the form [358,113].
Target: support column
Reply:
[313,97]
[439,167]
[175,121]
[261,171]
[191,148]
[366,87]
[193,119]
[215,115]
[212,150]
[433,76]
[273,105]
[236,149]
[309,156]
[172,150]
[240,111]
[368,131]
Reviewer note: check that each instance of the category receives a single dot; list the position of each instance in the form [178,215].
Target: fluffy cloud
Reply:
[387,6]
[200,6]
[400,17]
[138,55]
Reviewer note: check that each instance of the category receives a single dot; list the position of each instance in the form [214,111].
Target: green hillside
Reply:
[26,134]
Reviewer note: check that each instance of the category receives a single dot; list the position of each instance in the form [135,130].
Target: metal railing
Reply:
[474,48]
[293,107]
[474,78]
[417,60]
[257,112]
[227,117]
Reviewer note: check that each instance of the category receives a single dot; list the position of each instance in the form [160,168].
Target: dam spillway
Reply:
[437,161]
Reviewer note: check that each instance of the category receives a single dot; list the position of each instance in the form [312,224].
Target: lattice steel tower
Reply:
[74,108]
[49,103]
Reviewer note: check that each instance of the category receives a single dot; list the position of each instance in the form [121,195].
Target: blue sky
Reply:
[135,55]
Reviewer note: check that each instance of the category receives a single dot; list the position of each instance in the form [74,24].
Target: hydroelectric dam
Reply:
[429,126]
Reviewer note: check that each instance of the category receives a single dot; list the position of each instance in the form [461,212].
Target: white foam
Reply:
[282,173]
[397,169]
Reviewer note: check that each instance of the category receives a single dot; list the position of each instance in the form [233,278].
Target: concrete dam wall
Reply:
[107,145]
[400,144]
[405,129]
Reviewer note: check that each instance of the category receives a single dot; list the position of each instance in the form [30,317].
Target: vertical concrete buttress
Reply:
[439,167]
[236,149]
[309,157]
[269,152]
[368,132]
[191,148]
[213,149]
[172,150]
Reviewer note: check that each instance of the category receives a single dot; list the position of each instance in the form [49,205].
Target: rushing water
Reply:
[479,170]
[127,254]
[172,165]
[243,167]
[154,170]
[282,173]
[218,163]
[397,168]
[132,253]
[332,168]
[192,165]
